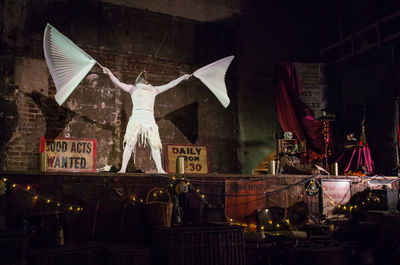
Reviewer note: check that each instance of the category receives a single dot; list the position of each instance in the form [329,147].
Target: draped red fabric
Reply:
[292,113]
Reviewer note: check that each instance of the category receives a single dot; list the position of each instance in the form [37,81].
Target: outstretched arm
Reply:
[123,86]
[171,84]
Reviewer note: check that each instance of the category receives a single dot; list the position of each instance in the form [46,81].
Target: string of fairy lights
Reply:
[313,187]
[38,197]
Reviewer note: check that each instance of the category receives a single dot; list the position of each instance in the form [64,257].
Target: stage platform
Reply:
[239,194]
[113,202]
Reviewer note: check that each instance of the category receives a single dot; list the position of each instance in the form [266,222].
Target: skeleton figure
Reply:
[142,126]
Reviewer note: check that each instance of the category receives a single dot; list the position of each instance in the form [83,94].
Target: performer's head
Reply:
[141,78]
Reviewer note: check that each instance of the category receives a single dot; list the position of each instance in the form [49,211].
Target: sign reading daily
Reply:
[195,156]
[69,155]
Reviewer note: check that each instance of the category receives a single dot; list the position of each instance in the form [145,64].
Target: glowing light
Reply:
[35,197]
[344,207]
[70,208]
[270,222]
[202,196]
[262,227]
[154,194]
[58,204]
[197,190]
[48,201]
[160,191]
[14,185]
[141,200]
[277,225]
[28,187]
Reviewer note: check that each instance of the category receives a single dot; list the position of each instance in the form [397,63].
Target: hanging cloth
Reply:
[213,76]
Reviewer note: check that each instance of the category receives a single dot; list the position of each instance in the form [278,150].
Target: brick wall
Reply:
[126,41]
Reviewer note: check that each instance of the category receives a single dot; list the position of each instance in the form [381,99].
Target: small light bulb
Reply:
[160,191]
[58,204]
[14,185]
[48,201]
[262,227]
[277,225]
[154,194]
[197,190]
[35,197]
[4,179]
[70,208]
[28,187]
[202,196]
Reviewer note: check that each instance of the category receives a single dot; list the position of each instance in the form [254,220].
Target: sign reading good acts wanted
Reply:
[196,158]
[69,155]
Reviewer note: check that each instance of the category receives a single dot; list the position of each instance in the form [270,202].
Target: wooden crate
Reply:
[127,255]
[199,245]
[13,250]
[88,253]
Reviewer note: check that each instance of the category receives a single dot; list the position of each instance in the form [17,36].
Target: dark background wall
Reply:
[367,80]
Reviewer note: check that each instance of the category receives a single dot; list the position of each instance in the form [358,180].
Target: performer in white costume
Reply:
[142,123]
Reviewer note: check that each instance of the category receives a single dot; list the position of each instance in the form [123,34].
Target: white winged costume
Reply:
[142,126]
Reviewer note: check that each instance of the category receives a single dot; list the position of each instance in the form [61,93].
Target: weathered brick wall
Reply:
[126,41]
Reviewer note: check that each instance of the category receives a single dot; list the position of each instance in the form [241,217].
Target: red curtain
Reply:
[292,113]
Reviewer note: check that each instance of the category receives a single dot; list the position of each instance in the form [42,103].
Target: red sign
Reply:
[335,191]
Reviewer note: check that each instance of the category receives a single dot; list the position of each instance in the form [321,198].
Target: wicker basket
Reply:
[159,213]
[127,255]
[199,245]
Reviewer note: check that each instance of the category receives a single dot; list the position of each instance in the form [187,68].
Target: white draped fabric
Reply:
[68,64]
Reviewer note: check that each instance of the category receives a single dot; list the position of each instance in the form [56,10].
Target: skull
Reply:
[288,135]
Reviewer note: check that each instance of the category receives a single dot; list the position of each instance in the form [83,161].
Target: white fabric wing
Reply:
[68,64]
[213,76]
